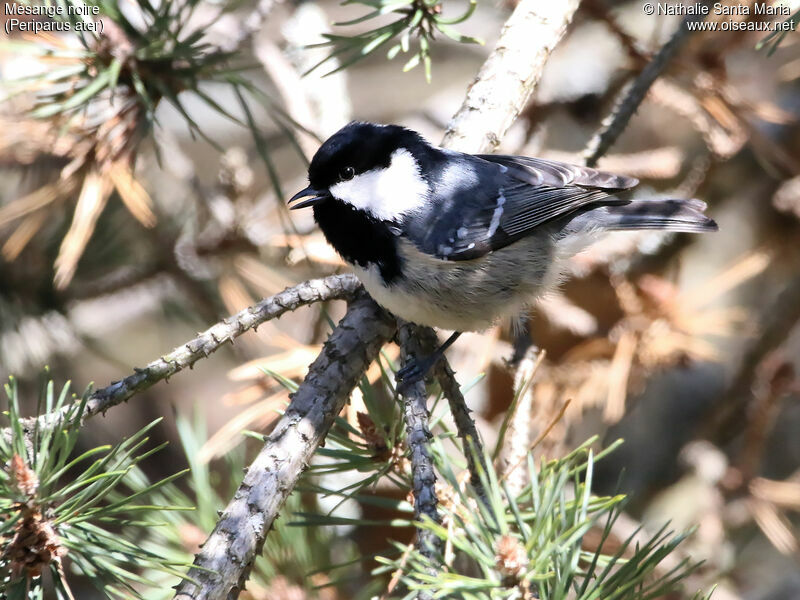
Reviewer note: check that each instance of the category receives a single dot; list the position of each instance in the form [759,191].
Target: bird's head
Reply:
[374,168]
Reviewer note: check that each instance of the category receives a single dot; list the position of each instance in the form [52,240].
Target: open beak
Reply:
[318,196]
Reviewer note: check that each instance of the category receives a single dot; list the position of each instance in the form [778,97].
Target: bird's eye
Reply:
[347,173]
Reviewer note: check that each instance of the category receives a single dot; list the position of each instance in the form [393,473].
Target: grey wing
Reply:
[533,192]
[553,173]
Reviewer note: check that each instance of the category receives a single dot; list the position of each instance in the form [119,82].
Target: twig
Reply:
[632,96]
[249,26]
[723,136]
[221,568]
[779,321]
[600,11]
[518,437]
[465,426]
[507,78]
[494,100]
[288,82]
[120,279]
[398,573]
[539,439]
[418,435]
[327,94]
[309,292]
[665,162]
[774,381]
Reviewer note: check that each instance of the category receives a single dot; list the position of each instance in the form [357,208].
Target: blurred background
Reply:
[687,347]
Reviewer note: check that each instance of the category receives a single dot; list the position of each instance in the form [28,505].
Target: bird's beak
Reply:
[319,196]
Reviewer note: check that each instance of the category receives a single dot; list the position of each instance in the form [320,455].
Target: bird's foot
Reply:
[418,368]
[415,371]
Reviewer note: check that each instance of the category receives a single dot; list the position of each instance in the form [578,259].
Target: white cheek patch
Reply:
[386,193]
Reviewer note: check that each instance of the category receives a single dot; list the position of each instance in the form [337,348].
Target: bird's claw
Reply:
[413,373]
[418,368]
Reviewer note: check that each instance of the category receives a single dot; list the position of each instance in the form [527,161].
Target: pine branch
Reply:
[507,78]
[494,100]
[418,436]
[335,287]
[465,425]
[634,94]
[517,440]
[503,85]
[57,503]
[250,25]
[730,416]
[221,568]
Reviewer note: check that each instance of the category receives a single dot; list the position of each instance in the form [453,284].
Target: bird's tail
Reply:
[669,215]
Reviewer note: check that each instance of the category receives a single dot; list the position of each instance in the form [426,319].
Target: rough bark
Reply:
[335,287]
[418,436]
[507,78]
[221,568]
[632,96]
[465,425]
[500,91]
[493,102]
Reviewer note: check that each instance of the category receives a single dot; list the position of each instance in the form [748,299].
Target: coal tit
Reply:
[458,241]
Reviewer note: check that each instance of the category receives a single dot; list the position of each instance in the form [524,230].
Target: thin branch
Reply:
[249,26]
[309,292]
[418,435]
[632,96]
[465,425]
[500,91]
[600,11]
[493,102]
[545,432]
[221,568]
[779,321]
[507,78]
[517,438]
[471,443]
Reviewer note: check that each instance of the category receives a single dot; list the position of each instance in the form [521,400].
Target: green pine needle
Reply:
[418,18]
[55,504]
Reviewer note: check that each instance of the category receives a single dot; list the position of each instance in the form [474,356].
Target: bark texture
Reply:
[334,287]
[632,96]
[493,101]
[507,78]
[221,568]
[418,436]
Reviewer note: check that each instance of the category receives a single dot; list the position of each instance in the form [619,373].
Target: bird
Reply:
[460,241]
